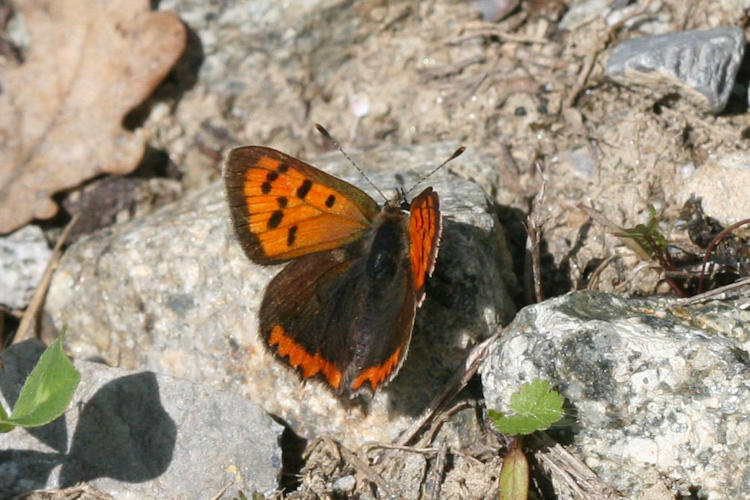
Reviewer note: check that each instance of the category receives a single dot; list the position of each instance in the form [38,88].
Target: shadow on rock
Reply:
[123,433]
[467,298]
[22,471]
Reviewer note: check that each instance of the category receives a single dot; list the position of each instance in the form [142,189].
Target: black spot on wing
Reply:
[275,219]
[291,236]
[304,189]
[330,200]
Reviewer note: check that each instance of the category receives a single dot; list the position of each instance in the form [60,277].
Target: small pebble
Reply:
[345,484]
[24,255]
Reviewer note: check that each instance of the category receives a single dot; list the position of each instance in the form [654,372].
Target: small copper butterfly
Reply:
[343,309]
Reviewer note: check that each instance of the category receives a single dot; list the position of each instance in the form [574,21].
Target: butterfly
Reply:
[343,309]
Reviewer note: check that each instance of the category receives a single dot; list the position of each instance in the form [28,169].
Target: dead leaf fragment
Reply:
[61,111]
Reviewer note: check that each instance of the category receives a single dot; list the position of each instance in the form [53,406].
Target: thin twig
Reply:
[221,492]
[483,29]
[638,269]
[440,420]
[343,454]
[80,490]
[435,479]
[619,24]
[404,13]
[717,239]
[368,447]
[745,282]
[595,275]
[583,76]
[353,459]
[534,223]
[453,387]
[588,64]
[502,35]
[41,290]
[326,440]
[581,480]
[446,70]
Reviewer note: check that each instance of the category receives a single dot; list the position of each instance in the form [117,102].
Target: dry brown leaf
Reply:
[61,111]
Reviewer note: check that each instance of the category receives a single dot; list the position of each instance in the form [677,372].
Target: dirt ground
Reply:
[525,92]
[521,91]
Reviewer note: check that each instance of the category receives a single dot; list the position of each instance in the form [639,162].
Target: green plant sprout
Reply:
[47,391]
[536,408]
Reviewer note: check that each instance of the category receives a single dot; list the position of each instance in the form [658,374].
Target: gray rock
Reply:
[258,29]
[583,10]
[701,65]
[494,10]
[172,292]
[345,484]
[139,435]
[406,475]
[723,184]
[660,389]
[24,255]
[236,43]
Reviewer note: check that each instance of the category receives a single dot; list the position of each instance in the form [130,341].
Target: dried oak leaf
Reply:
[61,111]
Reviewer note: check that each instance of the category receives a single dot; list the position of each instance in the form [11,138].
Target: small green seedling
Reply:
[47,391]
[537,407]
[647,241]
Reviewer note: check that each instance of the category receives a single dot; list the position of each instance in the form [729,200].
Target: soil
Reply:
[519,92]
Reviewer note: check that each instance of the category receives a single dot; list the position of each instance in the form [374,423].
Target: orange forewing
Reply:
[425,227]
[284,208]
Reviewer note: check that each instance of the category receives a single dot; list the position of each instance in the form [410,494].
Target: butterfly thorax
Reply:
[389,244]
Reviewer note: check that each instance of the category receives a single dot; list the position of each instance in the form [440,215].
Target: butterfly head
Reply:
[398,201]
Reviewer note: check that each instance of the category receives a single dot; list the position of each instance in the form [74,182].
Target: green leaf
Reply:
[647,237]
[514,476]
[5,426]
[48,389]
[536,407]
[3,415]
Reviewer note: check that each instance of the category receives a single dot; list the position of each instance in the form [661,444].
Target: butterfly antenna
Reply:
[455,155]
[328,136]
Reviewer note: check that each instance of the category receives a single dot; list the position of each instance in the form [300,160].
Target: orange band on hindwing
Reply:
[311,365]
[376,375]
